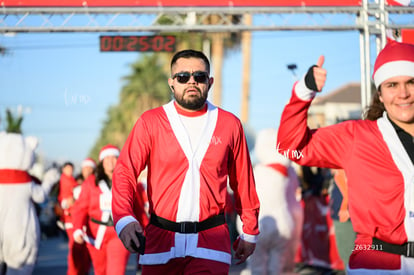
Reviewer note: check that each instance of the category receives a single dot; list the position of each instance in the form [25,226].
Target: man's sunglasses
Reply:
[184,77]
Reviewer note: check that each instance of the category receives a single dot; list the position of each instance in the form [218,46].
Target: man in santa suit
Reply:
[377,155]
[78,257]
[65,197]
[192,149]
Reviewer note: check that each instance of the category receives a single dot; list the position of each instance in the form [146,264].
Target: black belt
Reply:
[108,223]
[187,227]
[405,249]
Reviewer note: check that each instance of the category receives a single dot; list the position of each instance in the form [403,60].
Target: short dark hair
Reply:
[68,163]
[191,54]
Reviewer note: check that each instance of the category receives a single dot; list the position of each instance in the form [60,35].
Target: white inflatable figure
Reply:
[281,215]
[19,226]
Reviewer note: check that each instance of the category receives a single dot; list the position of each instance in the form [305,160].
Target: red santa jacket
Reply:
[379,172]
[65,198]
[93,210]
[185,183]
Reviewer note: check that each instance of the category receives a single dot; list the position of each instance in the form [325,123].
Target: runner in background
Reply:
[281,215]
[93,221]
[78,256]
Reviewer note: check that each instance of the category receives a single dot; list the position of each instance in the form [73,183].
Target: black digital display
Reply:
[144,43]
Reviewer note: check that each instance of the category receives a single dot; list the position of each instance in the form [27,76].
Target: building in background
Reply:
[341,104]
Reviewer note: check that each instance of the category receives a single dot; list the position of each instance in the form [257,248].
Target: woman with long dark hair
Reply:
[377,155]
[376,109]
[93,212]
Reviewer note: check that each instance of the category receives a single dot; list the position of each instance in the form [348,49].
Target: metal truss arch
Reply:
[372,18]
[145,19]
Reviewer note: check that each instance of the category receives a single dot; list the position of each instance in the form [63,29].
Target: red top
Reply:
[377,168]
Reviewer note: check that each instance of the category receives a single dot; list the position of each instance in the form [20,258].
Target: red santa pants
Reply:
[79,261]
[187,266]
[111,258]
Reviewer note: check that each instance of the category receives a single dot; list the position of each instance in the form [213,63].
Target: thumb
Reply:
[320,62]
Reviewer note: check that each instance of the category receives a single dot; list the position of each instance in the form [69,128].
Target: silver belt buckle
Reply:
[188,227]
[410,249]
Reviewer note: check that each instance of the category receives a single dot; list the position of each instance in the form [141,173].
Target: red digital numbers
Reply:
[131,44]
[145,43]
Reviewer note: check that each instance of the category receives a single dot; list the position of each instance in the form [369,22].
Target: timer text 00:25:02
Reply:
[145,43]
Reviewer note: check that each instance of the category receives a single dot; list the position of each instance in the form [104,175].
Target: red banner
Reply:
[177,3]
[399,2]
[407,36]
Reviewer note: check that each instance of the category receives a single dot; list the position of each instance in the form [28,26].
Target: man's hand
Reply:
[78,236]
[70,201]
[132,238]
[79,239]
[316,76]
[243,250]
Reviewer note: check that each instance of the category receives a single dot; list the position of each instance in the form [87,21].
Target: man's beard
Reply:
[192,102]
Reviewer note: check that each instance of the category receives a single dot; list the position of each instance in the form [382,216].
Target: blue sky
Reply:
[66,85]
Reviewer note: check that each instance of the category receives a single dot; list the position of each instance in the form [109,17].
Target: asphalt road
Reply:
[53,254]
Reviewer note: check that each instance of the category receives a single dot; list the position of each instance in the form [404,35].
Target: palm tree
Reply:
[13,124]
[246,53]
[146,87]
[221,44]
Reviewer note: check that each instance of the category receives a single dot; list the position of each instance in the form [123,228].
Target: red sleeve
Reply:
[242,182]
[64,190]
[66,185]
[131,162]
[328,147]
[140,202]
[80,210]
[229,209]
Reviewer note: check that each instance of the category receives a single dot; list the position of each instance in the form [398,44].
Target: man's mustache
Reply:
[193,88]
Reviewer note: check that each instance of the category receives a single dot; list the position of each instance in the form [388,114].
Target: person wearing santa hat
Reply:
[88,167]
[376,153]
[92,218]
[79,252]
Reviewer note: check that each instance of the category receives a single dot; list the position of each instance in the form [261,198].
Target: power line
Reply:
[48,46]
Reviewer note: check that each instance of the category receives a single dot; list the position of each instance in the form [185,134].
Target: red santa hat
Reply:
[394,60]
[88,162]
[108,150]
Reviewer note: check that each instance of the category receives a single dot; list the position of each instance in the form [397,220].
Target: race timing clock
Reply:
[143,43]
